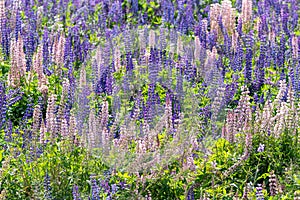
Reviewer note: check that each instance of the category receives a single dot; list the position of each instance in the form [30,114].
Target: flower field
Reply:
[149,100]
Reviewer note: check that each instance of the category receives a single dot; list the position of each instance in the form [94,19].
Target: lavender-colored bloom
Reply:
[153,67]
[95,190]
[76,195]
[13,100]
[212,40]
[191,195]
[28,113]
[280,55]
[114,188]
[261,148]
[5,40]
[3,105]
[249,56]
[46,52]
[179,82]
[18,25]
[260,68]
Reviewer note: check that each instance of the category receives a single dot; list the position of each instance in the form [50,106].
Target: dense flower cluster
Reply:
[146,84]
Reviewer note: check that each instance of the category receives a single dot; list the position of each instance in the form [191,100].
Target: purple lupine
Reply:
[95,190]
[294,14]
[191,195]
[3,105]
[189,16]
[29,44]
[12,101]
[179,82]
[46,52]
[5,41]
[212,39]
[230,91]
[239,27]
[284,19]
[260,68]
[28,112]
[153,67]
[76,195]
[281,55]
[18,25]
[47,187]
[129,62]
[249,56]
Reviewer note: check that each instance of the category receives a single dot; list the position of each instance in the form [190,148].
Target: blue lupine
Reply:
[95,190]
[191,195]
[46,52]
[249,56]
[3,105]
[5,39]
[129,62]
[28,112]
[153,68]
[179,82]
[280,55]
[76,195]
[18,25]
[260,68]
[47,187]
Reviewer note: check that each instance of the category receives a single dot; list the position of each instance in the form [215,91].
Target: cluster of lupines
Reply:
[132,94]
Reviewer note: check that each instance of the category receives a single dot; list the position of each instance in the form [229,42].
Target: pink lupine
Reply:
[228,15]
[37,114]
[168,114]
[50,115]
[246,14]
[18,63]
[295,46]
[91,136]
[43,131]
[58,51]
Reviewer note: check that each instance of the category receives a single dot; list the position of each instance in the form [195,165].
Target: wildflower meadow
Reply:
[149,99]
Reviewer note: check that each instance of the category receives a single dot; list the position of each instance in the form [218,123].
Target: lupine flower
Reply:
[259,195]
[50,115]
[191,195]
[95,190]
[246,13]
[261,148]
[58,51]
[47,187]
[76,195]
[3,104]
[18,63]
[249,56]
[168,114]
[92,135]
[273,184]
